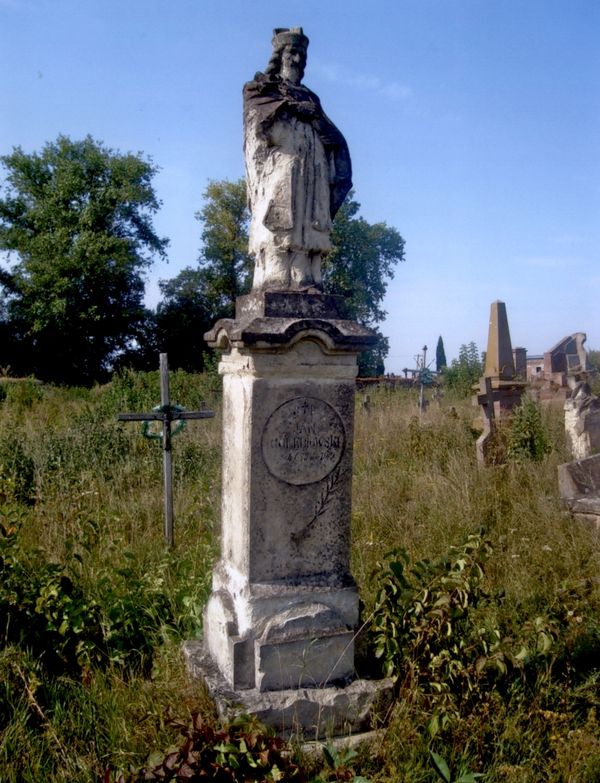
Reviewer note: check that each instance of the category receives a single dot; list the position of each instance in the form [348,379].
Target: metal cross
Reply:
[166,413]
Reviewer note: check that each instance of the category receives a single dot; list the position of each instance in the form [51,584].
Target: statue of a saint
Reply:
[298,170]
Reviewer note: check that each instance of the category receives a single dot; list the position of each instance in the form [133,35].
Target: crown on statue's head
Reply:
[283,36]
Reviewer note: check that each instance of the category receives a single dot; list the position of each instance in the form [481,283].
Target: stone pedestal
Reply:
[579,487]
[284,605]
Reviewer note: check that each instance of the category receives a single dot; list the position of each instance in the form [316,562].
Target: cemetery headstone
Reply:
[582,419]
[579,487]
[500,390]
[280,622]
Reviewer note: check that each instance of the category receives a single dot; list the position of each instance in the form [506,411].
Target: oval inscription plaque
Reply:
[303,440]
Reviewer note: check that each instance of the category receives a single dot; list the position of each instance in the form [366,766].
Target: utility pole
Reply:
[422,390]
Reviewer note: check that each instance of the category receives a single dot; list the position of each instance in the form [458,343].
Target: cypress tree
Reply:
[440,355]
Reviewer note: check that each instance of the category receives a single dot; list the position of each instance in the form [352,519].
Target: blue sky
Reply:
[473,126]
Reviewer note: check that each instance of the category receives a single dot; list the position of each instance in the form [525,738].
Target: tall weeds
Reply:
[501,677]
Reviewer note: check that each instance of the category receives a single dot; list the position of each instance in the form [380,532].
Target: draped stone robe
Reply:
[298,173]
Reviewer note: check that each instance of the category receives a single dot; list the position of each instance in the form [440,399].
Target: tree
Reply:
[357,268]
[77,217]
[465,371]
[182,317]
[440,355]
[594,360]
[227,267]
[361,262]
[196,298]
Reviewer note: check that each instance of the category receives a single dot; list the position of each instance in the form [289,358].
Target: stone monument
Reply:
[298,170]
[280,622]
[579,487]
[551,375]
[500,390]
[582,419]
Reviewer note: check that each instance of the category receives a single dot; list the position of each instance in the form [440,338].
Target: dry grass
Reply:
[96,492]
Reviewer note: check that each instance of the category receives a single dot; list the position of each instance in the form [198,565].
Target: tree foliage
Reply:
[594,360]
[465,371]
[361,263]
[184,314]
[224,260]
[440,355]
[197,297]
[358,268]
[76,224]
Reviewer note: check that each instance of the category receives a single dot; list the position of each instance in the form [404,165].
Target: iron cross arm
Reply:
[166,413]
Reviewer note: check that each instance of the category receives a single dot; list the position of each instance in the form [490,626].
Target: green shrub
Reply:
[17,470]
[22,394]
[430,628]
[67,627]
[527,437]
[43,611]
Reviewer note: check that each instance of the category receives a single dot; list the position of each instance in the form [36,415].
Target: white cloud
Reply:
[367,82]
[551,262]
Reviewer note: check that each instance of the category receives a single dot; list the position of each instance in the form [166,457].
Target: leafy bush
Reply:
[43,611]
[242,751]
[429,629]
[463,372]
[22,394]
[17,471]
[527,435]
[47,611]
[133,391]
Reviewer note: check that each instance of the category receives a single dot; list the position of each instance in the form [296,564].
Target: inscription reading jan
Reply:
[303,440]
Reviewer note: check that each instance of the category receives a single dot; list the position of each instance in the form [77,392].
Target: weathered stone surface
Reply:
[499,389]
[284,606]
[282,332]
[287,464]
[579,487]
[309,661]
[582,421]
[567,356]
[308,712]
[580,477]
[290,304]
[499,363]
[298,170]
[303,440]
[550,374]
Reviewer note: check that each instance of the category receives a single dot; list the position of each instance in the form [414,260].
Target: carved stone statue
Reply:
[298,170]
[582,419]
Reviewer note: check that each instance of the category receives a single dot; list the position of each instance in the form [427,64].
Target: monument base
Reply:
[308,713]
[275,636]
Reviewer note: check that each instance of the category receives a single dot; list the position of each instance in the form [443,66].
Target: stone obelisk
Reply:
[500,390]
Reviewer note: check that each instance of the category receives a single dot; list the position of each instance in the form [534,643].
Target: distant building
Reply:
[547,374]
[534,366]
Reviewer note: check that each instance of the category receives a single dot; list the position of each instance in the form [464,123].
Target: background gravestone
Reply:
[500,390]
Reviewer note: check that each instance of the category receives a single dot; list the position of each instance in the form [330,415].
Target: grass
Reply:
[83,492]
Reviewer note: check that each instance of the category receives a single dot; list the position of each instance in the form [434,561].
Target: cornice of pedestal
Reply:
[279,319]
